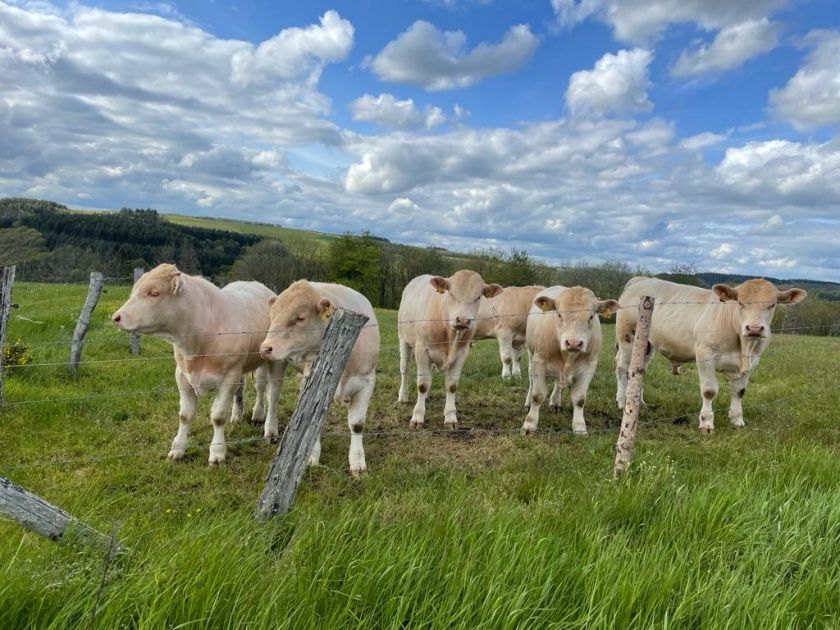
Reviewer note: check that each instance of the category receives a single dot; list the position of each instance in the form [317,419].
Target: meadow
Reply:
[481,528]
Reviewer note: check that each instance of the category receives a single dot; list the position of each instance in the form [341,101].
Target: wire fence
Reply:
[390,369]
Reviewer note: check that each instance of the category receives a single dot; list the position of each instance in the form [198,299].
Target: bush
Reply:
[18,353]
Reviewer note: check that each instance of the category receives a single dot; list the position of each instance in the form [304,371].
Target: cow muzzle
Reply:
[573,345]
[757,332]
[461,323]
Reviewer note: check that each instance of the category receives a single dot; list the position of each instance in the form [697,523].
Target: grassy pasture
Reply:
[289,236]
[480,529]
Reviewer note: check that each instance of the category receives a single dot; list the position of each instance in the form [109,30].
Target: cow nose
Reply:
[265,351]
[116,318]
[574,344]
[462,322]
[755,330]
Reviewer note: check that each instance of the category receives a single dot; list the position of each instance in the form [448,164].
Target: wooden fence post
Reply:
[633,400]
[41,517]
[94,289]
[7,279]
[305,426]
[134,338]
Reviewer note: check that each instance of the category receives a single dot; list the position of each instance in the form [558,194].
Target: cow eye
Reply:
[153,293]
[300,318]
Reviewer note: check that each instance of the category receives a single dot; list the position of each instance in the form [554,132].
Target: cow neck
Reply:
[198,316]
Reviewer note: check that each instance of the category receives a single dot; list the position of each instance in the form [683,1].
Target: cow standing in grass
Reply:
[437,319]
[563,339]
[215,334]
[505,318]
[299,318]
[723,330]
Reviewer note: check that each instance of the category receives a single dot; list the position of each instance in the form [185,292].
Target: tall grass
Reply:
[735,530]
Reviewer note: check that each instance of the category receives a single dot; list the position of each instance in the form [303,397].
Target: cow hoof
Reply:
[528,430]
[257,421]
[451,426]
[555,408]
[356,472]
[214,462]
[271,439]
[739,425]
[707,430]
[313,461]
[176,454]
[580,431]
[403,400]
[416,424]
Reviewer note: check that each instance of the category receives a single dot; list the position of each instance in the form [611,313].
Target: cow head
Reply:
[576,311]
[757,300]
[462,294]
[153,304]
[299,317]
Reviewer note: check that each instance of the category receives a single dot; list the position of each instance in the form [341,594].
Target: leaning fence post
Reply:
[94,289]
[303,429]
[134,338]
[7,279]
[41,517]
[633,401]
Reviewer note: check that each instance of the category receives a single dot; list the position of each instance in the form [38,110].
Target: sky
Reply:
[655,132]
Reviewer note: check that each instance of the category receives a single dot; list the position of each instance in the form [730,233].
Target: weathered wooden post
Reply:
[41,517]
[134,338]
[633,401]
[94,290]
[303,429]
[7,279]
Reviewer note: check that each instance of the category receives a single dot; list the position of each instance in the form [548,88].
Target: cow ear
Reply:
[272,300]
[491,290]
[325,309]
[177,281]
[725,293]
[791,296]
[440,284]
[607,307]
[544,303]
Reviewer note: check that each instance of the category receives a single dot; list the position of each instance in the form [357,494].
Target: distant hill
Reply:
[826,290]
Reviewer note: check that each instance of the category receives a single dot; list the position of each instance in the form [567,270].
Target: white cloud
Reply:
[387,111]
[403,205]
[703,140]
[812,96]
[731,48]
[639,20]
[722,251]
[438,60]
[618,83]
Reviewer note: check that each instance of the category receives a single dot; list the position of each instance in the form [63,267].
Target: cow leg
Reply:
[356,415]
[556,396]
[405,359]
[580,385]
[186,413]
[517,353]
[708,390]
[236,410]
[424,382]
[530,379]
[623,350]
[453,375]
[261,378]
[737,389]
[276,371]
[505,339]
[537,390]
[218,416]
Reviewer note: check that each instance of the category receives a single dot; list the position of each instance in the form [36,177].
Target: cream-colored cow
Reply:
[437,319]
[722,330]
[299,318]
[563,339]
[505,318]
[215,334]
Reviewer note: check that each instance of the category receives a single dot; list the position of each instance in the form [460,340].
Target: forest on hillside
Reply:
[49,242]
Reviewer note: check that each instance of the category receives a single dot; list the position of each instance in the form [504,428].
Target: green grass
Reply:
[289,236]
[740,529]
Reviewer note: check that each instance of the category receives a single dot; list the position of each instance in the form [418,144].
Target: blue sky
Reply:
[651,131]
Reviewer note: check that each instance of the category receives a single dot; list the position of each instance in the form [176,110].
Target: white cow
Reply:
[563,339]
[505,319]
[299,318]
[437,319]
[215,334]
[722,330]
